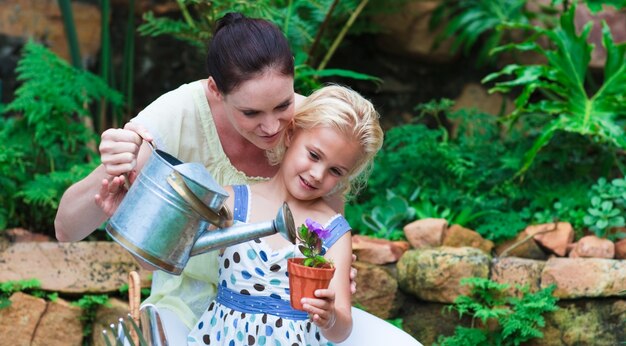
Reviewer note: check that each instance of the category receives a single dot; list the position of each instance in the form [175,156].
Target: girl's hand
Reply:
[321,309]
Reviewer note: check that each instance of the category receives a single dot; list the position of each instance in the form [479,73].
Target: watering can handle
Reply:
[222,219]
[126,177]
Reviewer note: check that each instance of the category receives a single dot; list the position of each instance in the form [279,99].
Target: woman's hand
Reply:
[353,276]
[322,308]
[119,148]
[111,194]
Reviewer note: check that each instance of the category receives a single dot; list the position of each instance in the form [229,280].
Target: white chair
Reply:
[368,329]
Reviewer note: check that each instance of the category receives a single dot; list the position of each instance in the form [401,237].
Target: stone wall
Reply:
[415,286]
[70,269]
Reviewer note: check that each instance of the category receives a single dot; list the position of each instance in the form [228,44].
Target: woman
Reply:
[226,122]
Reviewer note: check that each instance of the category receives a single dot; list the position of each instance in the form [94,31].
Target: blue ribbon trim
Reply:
[258,304]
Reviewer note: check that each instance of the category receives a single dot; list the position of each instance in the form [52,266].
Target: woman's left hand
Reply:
[353,276]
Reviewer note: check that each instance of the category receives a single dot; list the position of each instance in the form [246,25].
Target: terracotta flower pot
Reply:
[303,281]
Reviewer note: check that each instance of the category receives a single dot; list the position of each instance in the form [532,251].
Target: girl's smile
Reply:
[306,184]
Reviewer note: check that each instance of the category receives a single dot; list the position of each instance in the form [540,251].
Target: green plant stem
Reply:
[105,58]
[318,35]
[186,14]
[70,32]
[342,34]
[128,67]
[520,242]
[288,17]
[618,163]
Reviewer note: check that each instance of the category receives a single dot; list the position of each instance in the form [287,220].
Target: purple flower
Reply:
[317,228]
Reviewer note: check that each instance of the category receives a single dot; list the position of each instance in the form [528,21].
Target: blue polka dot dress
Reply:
[252,304]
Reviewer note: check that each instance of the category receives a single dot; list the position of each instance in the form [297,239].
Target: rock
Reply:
[518,271]
[597,322]
[584,277]
[105,315]
[435,274]
[526,249]
[592,246]
[60,325]
[42,21]
[402,245]
[457,236]
[426,321]
[475,96]
[554,237]
[377,290]
[5,242]
[425,232]
[81,267]
[19,321]
[406,32]
[620,249]
[20,235]
[376,251]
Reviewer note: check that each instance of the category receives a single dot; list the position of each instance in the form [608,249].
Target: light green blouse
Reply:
[182,125]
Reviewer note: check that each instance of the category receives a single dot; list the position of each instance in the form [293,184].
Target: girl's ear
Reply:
[289,133]
[213,90]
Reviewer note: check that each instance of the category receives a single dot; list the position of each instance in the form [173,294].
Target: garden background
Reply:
[499,115]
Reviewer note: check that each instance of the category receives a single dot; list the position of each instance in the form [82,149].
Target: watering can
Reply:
[168,211]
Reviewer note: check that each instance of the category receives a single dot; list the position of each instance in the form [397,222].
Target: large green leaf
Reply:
[472,21]
[559,89]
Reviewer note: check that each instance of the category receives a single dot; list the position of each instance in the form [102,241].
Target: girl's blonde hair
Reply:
[346,111]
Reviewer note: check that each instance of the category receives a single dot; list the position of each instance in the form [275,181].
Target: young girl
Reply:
[332,141]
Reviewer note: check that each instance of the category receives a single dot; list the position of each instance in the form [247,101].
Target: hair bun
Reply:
[227,19]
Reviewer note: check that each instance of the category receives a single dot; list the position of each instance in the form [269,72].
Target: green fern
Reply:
[486,301]
[528,315]
[464,337]
[30,286]
[519,319]
[46,143]
[90,305]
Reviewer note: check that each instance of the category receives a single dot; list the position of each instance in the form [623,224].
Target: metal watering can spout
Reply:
[228,233]
[242,232]
[166,215]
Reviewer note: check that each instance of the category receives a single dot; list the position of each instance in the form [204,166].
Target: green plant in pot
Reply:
[313,271]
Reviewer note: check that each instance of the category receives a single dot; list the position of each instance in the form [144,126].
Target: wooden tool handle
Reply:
[134,300]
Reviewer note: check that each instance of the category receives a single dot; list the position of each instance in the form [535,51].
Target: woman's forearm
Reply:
[78,214]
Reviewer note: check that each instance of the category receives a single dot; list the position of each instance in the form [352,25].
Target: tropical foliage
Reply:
[314,29]
[480,25]
[497,174]
[46,144]
[565,100]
